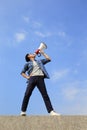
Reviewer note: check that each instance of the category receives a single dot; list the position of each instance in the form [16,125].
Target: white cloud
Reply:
[70,92]
[56,75]
[40,34]
[36,24]
[75,97]
[26,19]
[50,33]
[61,33]
[74,90]
[19,37]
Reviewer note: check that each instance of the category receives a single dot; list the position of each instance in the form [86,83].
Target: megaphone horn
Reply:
[41,47]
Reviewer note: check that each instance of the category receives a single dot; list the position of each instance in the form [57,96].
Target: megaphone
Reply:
[41,48]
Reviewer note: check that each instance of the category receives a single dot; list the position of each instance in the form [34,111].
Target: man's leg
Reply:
[42,88]
[28,92]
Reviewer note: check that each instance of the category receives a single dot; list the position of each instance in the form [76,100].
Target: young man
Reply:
[36,73]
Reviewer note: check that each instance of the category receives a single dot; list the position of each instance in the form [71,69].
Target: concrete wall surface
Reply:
[43,123]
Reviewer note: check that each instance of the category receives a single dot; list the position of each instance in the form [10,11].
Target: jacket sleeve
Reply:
[44,61]
[24,69]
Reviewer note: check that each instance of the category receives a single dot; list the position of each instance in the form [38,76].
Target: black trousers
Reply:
[39,82]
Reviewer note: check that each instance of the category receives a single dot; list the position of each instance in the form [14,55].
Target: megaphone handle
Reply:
[38,54]
[37,51]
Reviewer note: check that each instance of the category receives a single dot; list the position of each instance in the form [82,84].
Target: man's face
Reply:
[31,55]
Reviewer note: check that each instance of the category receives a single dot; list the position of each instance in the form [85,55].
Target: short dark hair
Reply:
[27,58]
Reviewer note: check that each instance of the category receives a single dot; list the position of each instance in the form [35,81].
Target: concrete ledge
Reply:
[43,123]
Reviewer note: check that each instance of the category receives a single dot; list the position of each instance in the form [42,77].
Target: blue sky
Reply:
[62,25]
